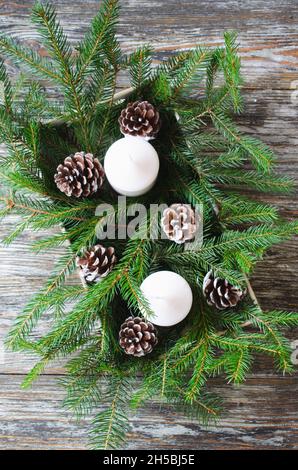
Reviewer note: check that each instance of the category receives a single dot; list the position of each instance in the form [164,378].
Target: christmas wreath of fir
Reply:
[177,307]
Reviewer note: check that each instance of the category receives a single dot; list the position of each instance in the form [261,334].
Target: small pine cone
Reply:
[96,263]
[179,223]
[140,119]
[137,336]
[220,293]
[79,175]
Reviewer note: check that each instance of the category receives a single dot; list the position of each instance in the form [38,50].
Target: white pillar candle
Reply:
[131,165]
[169,296]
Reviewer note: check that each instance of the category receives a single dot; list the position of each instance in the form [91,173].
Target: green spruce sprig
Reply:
[205,160]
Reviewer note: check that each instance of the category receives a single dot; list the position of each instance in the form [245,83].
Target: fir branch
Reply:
[146,391]
[44,16]
[237,365]
[56,40]
[205,409]
[282,344]
[230,63]
[262,157]
[139,65]
[133,296]
[10,134]
[212,69]
[253,238]
[34,373]
[238,210]
[192,69]
[25,322]
[201,166]
[266,183]
[8,239]
[281,318]
[84,390]
[189,355]
[84,314]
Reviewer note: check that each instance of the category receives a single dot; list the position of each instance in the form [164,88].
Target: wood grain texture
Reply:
[263,412]
[256,417]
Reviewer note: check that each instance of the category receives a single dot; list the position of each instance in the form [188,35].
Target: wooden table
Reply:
[263,412]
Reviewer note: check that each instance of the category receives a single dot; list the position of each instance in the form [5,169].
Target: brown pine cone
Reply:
[137,336]
[179,223]
[220,293]
[96,263]
[140,119]
[79,175]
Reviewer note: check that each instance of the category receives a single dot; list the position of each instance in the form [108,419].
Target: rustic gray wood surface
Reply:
[263,412]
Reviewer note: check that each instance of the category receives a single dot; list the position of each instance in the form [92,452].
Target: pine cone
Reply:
[178,222]
[79,175]
[137,336]
[220,293]
[96,263]
[140,119]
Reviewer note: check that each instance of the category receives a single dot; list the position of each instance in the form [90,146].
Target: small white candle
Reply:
[169,296]
[131,165]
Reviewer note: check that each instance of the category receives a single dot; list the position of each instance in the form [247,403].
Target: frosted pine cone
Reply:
[220,293]
[79,175]
[179,223]
[140,119]
[137,336]
[96,263]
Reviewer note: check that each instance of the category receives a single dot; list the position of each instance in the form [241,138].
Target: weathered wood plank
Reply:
[267,30]
[255,417]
